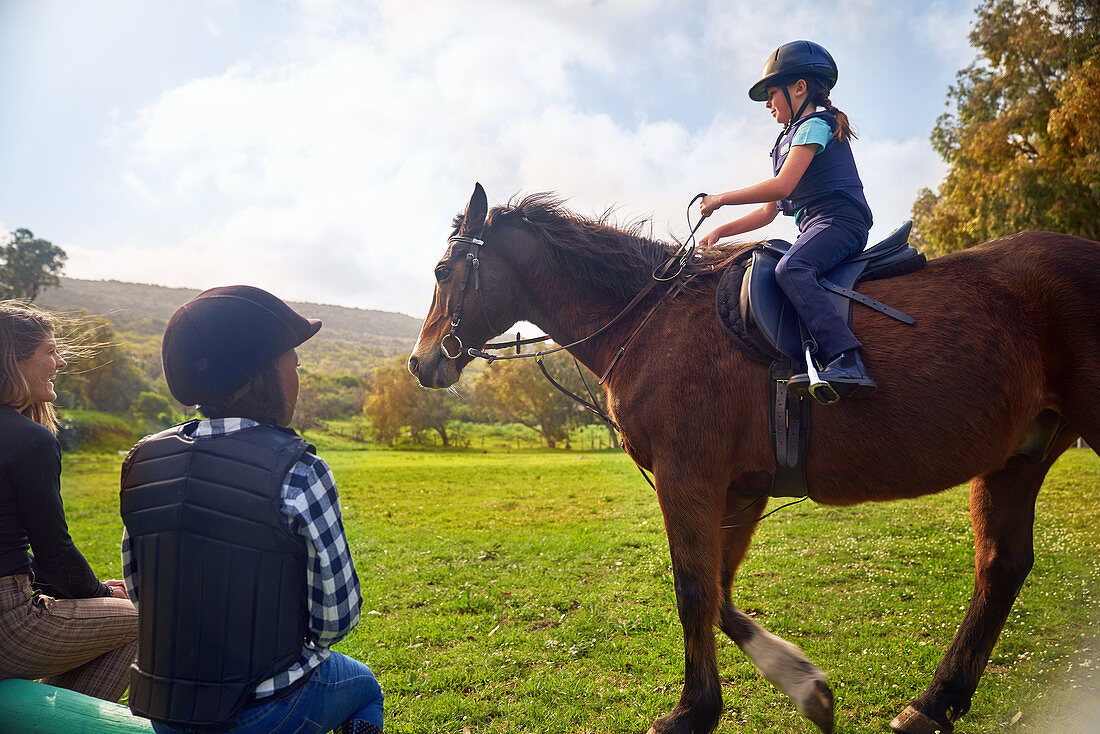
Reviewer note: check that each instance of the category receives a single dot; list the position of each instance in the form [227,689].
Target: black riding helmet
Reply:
[219,340]
[795,60]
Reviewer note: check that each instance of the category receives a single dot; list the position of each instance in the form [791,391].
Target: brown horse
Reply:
[1000,374]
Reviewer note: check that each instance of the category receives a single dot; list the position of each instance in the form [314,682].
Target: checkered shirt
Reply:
[312,509]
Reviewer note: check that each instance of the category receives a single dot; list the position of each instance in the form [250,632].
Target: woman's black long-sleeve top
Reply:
[31,513]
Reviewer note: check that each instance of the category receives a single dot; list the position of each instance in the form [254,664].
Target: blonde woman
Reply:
[85,638]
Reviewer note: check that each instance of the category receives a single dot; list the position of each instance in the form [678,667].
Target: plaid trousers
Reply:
[85,645]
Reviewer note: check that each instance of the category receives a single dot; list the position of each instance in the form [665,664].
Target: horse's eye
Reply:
[442,273]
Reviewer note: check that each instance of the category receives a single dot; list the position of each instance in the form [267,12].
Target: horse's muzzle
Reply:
[432,370]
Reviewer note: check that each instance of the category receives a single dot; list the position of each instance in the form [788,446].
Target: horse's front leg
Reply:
[1002,507]
[692,509]
[782,663]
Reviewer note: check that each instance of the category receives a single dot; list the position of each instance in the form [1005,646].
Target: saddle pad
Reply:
[728,303]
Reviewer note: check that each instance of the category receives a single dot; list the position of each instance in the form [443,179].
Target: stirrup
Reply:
[820,390]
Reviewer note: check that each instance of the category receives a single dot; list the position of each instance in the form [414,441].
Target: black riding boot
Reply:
[844,377]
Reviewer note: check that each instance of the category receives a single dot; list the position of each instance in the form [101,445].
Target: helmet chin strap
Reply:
[796,115]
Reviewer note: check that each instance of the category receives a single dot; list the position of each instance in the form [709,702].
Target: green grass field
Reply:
[531,591]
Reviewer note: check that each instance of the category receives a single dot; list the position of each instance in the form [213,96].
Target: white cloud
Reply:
[746,33]
[893,172]
[333,176]
[945,27]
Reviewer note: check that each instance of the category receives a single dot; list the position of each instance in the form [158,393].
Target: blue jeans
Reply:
[340,689]
[824,243]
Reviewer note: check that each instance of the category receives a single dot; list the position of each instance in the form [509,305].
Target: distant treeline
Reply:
[352,340]
[119,374]
[384,407]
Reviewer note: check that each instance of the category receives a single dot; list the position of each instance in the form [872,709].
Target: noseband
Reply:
[472,264]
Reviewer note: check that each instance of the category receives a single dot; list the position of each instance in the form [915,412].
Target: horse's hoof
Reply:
[911,721]
[668,724]
[818,708]
[682,721]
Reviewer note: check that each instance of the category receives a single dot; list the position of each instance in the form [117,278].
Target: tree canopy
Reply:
[397,402]
[1022,139]
[28,264]
[100,374]
[324,397]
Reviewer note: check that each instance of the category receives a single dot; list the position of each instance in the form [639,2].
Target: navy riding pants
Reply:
[826,240]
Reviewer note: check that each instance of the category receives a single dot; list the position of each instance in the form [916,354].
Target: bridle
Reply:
[661,274]
[473,263]
[665,273]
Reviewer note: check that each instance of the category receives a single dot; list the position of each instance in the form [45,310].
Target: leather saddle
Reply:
[756,313]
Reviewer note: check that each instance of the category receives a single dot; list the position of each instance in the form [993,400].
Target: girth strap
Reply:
[790,431]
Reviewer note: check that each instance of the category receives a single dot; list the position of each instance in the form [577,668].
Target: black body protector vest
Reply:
[222,592]
[832,171]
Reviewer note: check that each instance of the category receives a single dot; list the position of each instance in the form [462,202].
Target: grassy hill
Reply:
[352,340]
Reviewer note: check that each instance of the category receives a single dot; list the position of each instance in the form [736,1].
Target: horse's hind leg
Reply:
[782,663]
[1002,508]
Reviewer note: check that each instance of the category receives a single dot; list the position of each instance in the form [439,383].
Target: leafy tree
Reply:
[433,410]
[154,407]
[396,401]
[516,391]
[28,265]
[391,403]
[1022,140]
[324,397]
[100,374]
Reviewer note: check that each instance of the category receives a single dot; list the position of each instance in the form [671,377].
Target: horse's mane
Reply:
[605,255]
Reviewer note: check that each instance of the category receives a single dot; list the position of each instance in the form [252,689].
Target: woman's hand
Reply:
[118,588]
[709,204]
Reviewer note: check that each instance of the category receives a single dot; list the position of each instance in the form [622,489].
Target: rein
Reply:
[538,356]
[660,274]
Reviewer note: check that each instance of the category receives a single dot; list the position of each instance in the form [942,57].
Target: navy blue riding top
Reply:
[831,172]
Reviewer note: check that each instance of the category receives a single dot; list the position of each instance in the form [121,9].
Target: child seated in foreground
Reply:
[234,551]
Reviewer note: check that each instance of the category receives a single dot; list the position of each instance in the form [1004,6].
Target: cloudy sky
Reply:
[319,148]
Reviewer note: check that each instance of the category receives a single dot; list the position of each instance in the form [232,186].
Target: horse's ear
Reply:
[473,221]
